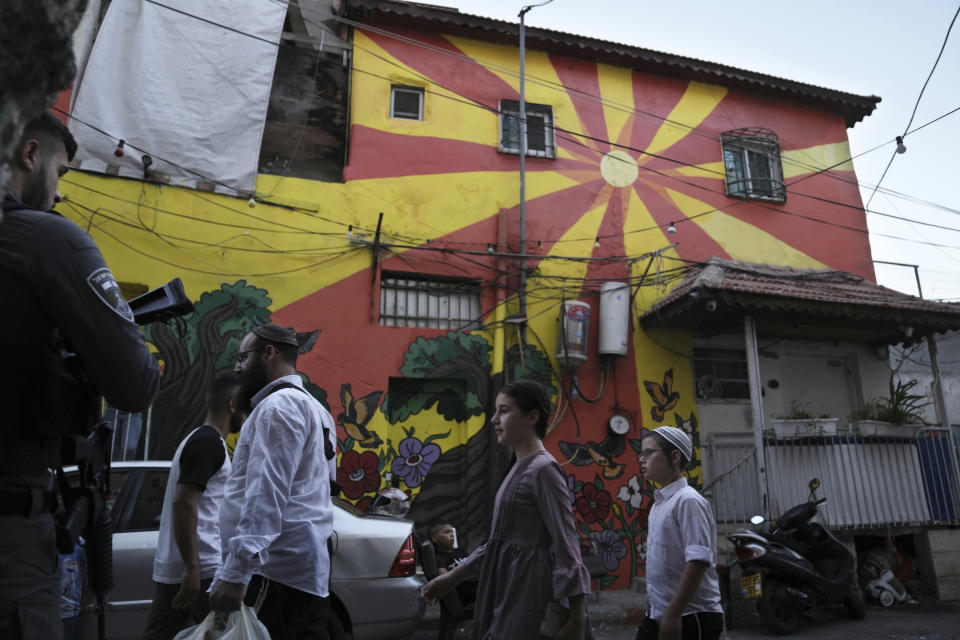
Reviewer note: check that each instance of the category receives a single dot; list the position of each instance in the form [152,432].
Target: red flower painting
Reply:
[358,473]
[593,504]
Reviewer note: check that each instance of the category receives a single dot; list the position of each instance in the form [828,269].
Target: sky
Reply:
[869,47]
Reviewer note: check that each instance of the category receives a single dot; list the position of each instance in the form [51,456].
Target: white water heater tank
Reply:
[573,334]
[614,319]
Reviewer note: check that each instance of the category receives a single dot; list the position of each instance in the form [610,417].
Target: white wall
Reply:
[825,377]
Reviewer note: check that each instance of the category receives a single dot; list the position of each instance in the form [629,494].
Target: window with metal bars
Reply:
[540,135]
[414,300]
[751,160]
[721,374]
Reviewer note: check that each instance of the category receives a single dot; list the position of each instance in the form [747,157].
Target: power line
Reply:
[473,102]
[915,105]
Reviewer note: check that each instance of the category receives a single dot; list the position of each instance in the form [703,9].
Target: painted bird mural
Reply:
[599,453]
[664,397]
[357,412]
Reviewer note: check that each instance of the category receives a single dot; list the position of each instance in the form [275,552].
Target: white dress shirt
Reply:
[277,514]
[680,529]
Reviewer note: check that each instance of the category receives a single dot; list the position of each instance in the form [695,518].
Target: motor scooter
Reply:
[796,566]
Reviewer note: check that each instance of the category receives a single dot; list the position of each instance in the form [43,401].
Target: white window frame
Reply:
[756,141]
[406,89]
[532,109]
[429,302]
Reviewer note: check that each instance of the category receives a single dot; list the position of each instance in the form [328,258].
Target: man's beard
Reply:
[36,194]
[237,418]
[252,380]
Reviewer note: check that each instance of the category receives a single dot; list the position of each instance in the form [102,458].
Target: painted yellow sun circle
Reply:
[619,169]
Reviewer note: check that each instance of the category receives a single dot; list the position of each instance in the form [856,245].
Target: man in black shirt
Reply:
[188,546]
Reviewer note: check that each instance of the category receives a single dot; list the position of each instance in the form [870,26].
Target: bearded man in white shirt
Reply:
[683,591]
[277,515]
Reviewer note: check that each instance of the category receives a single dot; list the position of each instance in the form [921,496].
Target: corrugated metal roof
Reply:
[853,107]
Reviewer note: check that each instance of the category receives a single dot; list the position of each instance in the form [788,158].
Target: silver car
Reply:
[374,590]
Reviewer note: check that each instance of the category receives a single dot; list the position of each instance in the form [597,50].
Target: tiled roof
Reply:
[758,288]
[798,284]
[853,107]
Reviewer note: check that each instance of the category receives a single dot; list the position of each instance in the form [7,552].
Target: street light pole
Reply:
[522,126]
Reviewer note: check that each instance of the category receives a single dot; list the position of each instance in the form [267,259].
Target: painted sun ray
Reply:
[797,162]
[741,240]
[614,84]
[377,153]
[696,244]
[545,87]
[698,102]
[580,79]
[556,275]
[652,99]
[382,61]
[776,220]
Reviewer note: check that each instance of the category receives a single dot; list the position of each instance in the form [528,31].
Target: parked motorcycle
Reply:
[796,566]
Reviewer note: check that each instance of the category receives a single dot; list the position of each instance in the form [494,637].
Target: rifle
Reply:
[86,512]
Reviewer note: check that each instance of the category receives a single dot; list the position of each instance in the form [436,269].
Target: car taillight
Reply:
[405,564]
[749,551]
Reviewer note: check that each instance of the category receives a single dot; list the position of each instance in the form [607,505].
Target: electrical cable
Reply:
[711,135]
[915,106]
[557,128]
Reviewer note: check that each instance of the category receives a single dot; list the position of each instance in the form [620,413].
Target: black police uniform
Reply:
[54,285]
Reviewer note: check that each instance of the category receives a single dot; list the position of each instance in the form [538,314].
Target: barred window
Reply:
[540,136]
[414,300]
[721,374]
[751,159]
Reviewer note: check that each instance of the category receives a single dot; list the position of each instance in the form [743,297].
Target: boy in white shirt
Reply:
[683,591]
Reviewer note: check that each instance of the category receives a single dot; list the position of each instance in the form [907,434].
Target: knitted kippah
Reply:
[678,438]
[276,333]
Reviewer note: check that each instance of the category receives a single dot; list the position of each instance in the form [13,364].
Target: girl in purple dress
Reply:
[532,558]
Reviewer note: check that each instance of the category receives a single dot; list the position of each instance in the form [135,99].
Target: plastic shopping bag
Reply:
[240,625]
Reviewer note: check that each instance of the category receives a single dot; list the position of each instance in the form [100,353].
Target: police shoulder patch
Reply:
[107,289]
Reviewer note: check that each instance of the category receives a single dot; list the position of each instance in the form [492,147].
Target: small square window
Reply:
[540,130]
[406,103]
[751,160]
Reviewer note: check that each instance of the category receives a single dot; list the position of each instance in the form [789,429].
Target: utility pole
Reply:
[522,134]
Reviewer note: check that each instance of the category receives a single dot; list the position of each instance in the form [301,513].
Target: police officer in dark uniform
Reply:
[57,295]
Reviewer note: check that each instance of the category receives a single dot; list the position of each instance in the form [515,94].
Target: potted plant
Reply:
[898,415]
[800,421]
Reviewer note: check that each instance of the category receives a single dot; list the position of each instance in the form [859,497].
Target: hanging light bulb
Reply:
[350,233]
[901,148]
[596,243]
[119,150]
[489,248]
[252,202]
[671,228]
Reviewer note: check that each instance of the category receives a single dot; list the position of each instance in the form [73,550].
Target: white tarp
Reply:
[190,94]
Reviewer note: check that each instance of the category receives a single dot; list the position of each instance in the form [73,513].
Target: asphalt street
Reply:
[929,620]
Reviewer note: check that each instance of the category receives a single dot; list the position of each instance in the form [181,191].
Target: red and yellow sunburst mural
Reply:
[635,152]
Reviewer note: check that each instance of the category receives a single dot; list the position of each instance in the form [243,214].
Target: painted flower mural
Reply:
[609,547]
[593,504]
[632,492]
[414,459]
[358,473]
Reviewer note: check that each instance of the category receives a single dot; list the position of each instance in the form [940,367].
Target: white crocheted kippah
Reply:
[678,438]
